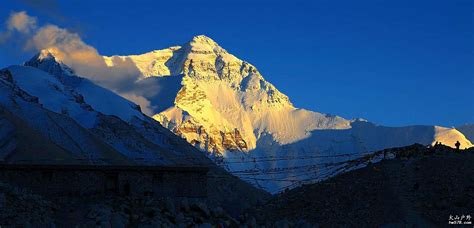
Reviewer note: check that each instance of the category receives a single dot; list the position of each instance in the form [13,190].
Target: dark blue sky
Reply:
[391,62]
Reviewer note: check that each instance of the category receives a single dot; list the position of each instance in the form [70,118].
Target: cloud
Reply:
[84,59]
[21,22]
[144,103]
[18,22]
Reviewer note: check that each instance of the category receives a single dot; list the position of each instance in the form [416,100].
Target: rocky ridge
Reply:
[414,186]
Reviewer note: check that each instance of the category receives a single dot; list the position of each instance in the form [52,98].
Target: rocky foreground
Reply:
[414,186]
[420,187]
[21,208]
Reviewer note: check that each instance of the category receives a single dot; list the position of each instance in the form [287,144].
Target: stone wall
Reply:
[96,180]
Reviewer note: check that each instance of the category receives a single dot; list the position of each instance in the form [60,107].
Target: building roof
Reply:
[102,167]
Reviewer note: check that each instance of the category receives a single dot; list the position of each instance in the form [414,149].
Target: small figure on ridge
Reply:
[458,144]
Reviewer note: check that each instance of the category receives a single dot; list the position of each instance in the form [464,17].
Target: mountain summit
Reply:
[203,43]
[222,96]
[224,106]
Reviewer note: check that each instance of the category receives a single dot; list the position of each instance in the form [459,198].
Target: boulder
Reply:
[168,205]
[202,208]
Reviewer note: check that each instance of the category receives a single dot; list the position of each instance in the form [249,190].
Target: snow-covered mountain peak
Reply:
[49,60]
[217,100]
[46,54]
[203,40]
[203,43]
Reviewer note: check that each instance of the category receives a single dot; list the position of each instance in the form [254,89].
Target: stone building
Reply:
[108,179]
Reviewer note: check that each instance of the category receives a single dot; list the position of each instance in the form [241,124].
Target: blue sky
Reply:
[391,62]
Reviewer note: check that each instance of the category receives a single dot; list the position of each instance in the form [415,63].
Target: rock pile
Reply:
[150,212]
[19,207]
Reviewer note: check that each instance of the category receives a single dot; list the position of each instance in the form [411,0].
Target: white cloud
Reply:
[84,59]
[142,101]
[21,22]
